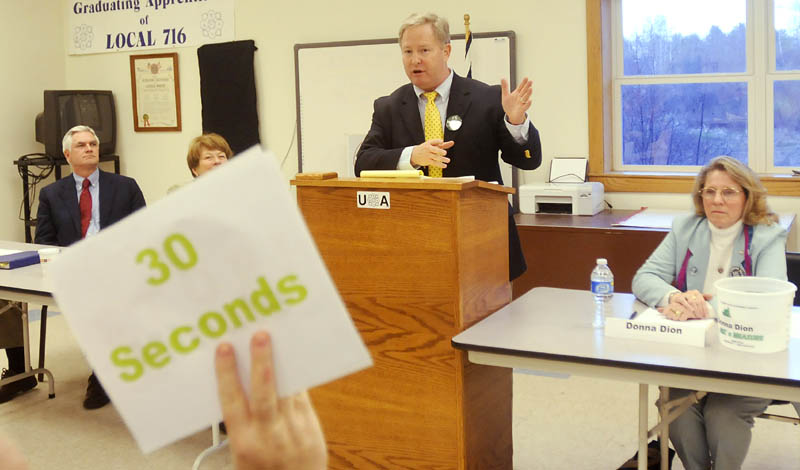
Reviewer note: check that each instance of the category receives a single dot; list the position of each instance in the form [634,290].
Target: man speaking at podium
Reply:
[447,125]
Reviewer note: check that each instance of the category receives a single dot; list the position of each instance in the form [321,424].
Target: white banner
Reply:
[133,25]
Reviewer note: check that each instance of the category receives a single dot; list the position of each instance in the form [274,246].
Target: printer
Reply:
[561,198]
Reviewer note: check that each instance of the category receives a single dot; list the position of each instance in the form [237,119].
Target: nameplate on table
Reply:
[650,325]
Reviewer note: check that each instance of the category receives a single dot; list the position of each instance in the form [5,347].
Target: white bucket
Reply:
[754,313]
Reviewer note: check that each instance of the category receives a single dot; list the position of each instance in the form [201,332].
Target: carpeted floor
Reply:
[559,423]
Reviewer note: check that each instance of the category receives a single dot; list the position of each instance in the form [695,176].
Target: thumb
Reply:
[708,296]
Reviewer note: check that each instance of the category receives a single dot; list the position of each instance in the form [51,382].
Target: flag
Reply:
[468,39]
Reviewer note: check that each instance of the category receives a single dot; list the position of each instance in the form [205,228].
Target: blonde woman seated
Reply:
[206,152]
[731,233]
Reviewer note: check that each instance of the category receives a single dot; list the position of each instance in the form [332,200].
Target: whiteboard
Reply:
[337,82]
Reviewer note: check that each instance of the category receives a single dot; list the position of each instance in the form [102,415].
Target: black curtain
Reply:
[228,92]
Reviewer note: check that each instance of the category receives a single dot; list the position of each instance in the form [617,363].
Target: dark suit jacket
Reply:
[58,221]
[396,124]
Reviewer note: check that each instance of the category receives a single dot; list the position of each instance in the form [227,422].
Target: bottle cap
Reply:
[602,261]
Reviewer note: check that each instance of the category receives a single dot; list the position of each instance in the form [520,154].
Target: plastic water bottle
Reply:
[603,289]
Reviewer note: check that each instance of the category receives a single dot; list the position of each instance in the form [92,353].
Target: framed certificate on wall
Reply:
[155,88]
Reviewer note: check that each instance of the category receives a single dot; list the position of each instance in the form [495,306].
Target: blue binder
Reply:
[18,260]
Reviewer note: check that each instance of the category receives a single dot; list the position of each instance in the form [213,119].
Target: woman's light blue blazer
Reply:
[654,279]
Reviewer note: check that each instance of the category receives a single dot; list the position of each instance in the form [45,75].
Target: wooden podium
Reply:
[422,261]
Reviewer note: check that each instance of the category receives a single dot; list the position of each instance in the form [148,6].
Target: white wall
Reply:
[551,50]
[155,159]
[33,60]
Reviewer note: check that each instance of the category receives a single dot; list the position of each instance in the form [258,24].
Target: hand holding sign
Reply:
[150,297]
[267,432]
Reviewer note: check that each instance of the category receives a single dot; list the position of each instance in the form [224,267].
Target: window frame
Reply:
[600,86]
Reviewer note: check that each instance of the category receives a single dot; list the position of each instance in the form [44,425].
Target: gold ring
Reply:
[676,311]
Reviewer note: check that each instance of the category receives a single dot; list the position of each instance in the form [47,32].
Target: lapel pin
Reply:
[737,271]
[453,122]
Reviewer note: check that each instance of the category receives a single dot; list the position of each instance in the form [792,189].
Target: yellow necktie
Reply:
[433,127]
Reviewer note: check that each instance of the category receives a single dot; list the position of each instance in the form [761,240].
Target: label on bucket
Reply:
[747,328]
[737,331]
[754,313]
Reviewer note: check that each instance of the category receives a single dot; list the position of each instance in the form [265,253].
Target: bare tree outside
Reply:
[687,124]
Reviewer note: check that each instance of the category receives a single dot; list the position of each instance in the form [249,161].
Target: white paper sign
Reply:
[150,297]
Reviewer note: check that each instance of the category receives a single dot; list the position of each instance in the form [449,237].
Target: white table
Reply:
[28,285]
[550,329]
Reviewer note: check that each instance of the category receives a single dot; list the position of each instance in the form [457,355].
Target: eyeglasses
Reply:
[727,193]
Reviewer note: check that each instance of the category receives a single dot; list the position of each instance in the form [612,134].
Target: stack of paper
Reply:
[391,173]
[653,326]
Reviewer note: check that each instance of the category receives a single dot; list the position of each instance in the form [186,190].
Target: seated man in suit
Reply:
[465,121]
[78,206]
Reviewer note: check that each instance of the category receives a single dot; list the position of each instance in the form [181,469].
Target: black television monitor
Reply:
[64,109]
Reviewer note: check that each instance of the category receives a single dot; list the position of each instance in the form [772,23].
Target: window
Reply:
[674,83]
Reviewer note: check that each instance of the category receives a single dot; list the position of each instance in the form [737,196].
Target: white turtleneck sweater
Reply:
[719,257]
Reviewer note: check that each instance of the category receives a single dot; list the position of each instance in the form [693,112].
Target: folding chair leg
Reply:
[785,419]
